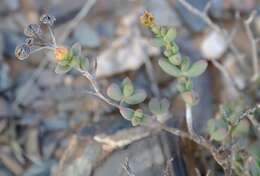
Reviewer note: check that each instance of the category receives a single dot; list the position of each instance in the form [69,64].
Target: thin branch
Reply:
[150,73]
[197,172]
[214,26]
[52,36]
[127,168]
[166,171]
[189,119]
[208,173]
[207,7]
[226,74]
[254,122]
[83,12]
[203,16]
[253,43]
[249,114]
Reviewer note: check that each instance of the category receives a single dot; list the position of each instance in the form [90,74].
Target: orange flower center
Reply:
[60,53]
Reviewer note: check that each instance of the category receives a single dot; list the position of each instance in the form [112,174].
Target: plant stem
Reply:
[154,123]
[189,119]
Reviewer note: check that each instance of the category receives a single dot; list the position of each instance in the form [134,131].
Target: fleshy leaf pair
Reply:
[72,59]
[218,129]
[195,70]
[136,117]
[159,108]
[126,93]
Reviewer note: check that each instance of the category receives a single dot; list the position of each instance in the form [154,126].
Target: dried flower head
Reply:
[61,53]
[147,19]
[32,30]
[22,51]
[29,41]
[47,19]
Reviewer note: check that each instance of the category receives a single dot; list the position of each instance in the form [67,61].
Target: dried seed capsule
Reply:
[22,51]
[147,19]
[32,29]
[29,41]
[47,19]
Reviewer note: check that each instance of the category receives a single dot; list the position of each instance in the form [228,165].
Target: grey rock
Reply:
[11,40]
[3,108]
[48,78]
[69,105]
[12,4]
[106,28]
[5,80]
[213,45]
[61,93]
[86,35]
[145,158]
[40,169]
[27,93]
[55,124]
[3,170]
[217,8]
[83,165]
[193,22]
[1,46]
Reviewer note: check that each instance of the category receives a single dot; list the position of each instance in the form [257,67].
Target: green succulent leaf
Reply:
[167,53]
[217,129]
[219,134]
[163,31]
[84,63]
[156,29]
[169,68]
[174,48]
[157,42]
[67,60]
[241,129]
[197,69]
[170,35]
[127,113]
[185,65]
[175,59]
[114,92]
[76,49]
[158,107]
[184,84]
[138,117]
[138,97]
[62,69]
[128,88]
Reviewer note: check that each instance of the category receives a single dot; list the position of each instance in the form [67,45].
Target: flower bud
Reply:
[60,53]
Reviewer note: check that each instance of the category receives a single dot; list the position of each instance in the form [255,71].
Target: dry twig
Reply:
[127,168]
[253,42]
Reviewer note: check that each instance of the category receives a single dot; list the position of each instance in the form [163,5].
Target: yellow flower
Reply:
[60,53]
[147,19]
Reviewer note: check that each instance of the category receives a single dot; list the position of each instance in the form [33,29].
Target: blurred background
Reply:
[49,125]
